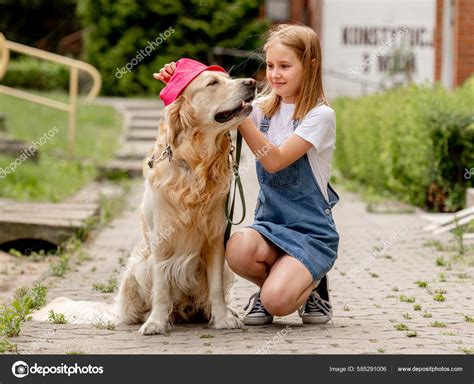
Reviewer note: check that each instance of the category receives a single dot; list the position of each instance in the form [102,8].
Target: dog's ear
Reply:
[180,118]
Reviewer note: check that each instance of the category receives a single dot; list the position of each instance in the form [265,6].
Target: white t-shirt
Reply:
[318,127]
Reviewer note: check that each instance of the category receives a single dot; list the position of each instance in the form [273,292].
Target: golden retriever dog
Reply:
[179,272]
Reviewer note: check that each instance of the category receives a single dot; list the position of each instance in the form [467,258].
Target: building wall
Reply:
[454,41]
[362,39]
[464,41]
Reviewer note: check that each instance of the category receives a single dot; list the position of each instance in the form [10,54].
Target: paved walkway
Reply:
[367,302]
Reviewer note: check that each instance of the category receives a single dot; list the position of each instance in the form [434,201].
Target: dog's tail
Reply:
[79,312]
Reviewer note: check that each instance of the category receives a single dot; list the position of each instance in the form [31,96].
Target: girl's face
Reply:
[284,71]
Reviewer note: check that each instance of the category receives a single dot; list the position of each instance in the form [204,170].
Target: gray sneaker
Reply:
[318,308]
[257,315]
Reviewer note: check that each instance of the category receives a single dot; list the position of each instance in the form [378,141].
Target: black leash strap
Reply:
[237,185]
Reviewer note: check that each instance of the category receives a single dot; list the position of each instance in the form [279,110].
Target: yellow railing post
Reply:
[74,65]
[71,132]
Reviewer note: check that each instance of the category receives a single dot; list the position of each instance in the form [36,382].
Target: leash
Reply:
[237,185]
[167,153]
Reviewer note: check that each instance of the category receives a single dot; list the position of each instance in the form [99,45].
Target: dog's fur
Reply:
[179,272]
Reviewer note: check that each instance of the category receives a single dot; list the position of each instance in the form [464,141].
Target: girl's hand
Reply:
[166,72]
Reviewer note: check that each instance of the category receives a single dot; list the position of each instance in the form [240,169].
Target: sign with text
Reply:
[370,45]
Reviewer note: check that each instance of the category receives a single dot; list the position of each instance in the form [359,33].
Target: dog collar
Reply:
[167,153]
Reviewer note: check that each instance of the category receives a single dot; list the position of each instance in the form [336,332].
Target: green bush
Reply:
[36,74]
[118,32]
[414,143]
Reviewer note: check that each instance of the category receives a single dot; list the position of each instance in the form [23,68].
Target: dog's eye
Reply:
[213,82]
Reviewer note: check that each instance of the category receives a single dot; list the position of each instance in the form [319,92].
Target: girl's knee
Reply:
[238,251]
[277,300]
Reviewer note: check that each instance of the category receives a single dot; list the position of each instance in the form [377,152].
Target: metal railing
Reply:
[75,65]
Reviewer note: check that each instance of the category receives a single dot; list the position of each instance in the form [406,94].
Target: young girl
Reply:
[293,241]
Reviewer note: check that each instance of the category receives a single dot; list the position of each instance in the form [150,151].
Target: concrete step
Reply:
[50,222]
[16,148]
[144,124]
[148,114]
[130,167]
[142,106]
[137,150]
[142,134]
[3,123]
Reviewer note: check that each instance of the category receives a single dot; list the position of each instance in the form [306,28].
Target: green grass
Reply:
[14,315]
[61,266]
[469,319]
[439,297]
[6,346]
[58,174]
[438,324]
[401,327]
[440,262]
[71,248]
[434,243]
[109,287]
[112,206]
[417,307]
[467,351]
[206,336]
[421,284]
[56,318]
[427,315]
[105,325]
[405,299]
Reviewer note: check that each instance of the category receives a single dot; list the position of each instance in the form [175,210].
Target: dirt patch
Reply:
[18,272]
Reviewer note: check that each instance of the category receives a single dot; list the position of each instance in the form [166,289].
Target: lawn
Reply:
[57,174]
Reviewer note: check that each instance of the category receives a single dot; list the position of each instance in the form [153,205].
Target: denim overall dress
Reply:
[294,215]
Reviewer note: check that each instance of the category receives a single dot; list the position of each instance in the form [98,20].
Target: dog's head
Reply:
[212,102]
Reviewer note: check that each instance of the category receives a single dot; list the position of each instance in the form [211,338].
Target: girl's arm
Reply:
[273,158]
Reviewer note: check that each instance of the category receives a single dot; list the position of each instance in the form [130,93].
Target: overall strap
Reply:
[266,120]
[265,123]
[296,123]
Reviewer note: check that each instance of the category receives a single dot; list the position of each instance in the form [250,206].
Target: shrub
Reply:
[117,30]
[33,73]
[413,143]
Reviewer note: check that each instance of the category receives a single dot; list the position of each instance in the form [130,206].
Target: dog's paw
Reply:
[155,327]
[233,311]
[230,320]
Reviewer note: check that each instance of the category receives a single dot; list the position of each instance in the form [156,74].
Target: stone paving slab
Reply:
[367,305]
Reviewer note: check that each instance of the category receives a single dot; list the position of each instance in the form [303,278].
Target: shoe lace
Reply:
[316,303]
[257,303]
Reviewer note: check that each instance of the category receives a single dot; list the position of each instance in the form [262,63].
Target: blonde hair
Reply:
[304,42]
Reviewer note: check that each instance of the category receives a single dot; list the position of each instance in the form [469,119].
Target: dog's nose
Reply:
[249,82]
